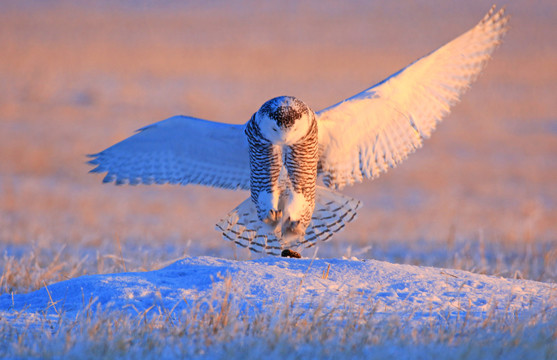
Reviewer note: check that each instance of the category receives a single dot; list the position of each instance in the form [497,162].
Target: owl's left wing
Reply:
[179,150]
[376,129]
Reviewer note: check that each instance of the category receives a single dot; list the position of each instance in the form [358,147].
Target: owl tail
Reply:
[332,212]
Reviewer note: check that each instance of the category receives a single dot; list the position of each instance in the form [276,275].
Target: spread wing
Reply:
[376,129]
[179,150]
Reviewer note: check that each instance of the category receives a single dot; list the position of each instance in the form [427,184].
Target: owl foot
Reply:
[273,217]
[295,227]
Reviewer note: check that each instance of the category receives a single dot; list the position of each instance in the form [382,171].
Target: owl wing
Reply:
[376,129]
[179,150]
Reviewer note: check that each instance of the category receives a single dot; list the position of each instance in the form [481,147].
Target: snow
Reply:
[416,293]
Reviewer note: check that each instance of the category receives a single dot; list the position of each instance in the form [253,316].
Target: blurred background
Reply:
[78,76]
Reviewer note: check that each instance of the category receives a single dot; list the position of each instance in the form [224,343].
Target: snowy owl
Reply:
[282,150]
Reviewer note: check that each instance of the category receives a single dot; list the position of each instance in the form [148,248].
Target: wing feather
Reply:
[179,150]
[378,128]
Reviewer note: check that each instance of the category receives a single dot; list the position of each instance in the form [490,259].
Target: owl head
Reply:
[284,120]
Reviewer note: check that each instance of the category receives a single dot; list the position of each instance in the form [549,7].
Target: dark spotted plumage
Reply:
[283,167]
[297,155]
[301,163]
[284,115]
[265,164]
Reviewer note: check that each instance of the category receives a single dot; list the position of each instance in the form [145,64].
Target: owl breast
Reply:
[283,150]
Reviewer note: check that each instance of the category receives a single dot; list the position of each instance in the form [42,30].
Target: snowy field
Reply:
[287,308]
[454,254]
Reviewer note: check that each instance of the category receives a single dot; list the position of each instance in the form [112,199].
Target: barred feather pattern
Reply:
[332,212]
[265,164]
[301,163]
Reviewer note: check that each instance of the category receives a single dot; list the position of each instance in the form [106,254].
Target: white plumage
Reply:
[179,150]
[358,138]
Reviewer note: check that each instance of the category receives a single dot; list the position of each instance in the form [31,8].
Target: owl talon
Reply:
[273,216]
[295,227]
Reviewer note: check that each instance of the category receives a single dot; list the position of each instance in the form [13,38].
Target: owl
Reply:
[281,153]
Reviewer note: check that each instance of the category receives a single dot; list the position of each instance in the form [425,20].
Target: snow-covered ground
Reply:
[331,294]
[377,288]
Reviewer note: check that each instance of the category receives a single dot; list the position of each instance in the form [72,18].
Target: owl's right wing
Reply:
[179,150]
[378,128]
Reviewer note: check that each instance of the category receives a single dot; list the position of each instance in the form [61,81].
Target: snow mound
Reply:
[384,289]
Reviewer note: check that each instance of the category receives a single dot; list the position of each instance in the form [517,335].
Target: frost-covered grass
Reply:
[285,334]
[215,327]
[218,325]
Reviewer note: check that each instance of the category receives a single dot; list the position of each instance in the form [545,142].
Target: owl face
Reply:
[284,120]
